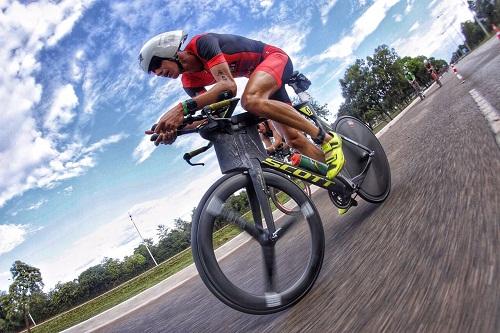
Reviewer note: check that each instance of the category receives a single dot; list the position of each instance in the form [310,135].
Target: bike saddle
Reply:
[299,81]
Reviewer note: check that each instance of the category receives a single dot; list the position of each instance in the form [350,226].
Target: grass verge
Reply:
[130,288]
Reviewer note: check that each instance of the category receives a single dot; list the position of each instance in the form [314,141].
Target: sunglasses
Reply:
[154,64]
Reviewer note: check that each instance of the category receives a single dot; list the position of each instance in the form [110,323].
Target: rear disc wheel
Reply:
[377,183]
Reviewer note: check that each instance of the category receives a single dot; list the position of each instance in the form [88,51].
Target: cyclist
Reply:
[432,71]
[412,80]
[215,59]
[272,140]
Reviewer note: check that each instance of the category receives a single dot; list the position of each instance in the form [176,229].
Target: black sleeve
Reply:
[208,46]
[193,92]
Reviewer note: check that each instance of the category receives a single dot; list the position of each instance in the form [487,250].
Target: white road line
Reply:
[489,112]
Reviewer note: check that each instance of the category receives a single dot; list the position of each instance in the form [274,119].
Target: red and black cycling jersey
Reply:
[242,54]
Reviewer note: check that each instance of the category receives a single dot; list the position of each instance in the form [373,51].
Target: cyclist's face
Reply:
[260,128]
[168,69]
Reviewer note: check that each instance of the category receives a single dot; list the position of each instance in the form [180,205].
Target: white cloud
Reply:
[12,235]
[409,6]
[279,35]
[76,66]
[430,38]
[36,157]
[98,146]
[61,112]
[325,9]
[363,27]
[37,204]
[42,172]
[68,190]
[266,4]
[432,3]
[414,27]
[398,17]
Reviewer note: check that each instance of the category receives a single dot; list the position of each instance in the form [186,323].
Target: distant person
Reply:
[432,72]
[412,80]
[496,30]
[455,71]
[271,138]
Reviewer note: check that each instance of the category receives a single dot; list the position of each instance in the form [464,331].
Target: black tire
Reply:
[282,203]
[377,184]
[228,277]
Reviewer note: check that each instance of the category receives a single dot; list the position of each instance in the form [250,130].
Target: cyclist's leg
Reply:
[297,140]
[293,137]
[264,82]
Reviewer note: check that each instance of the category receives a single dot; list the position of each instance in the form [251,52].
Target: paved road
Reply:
[427,260]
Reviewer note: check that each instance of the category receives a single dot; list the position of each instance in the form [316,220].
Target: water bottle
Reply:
[308,163]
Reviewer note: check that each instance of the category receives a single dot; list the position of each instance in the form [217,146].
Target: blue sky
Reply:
[73,157]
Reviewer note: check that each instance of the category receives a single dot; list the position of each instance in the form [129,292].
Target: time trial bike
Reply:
[275,261]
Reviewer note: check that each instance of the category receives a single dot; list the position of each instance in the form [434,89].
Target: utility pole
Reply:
[475,18]
[458,32]
[29,314]
[143,241]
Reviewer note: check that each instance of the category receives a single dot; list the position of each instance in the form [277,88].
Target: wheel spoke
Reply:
[216,208]
[268,253]
[286,226]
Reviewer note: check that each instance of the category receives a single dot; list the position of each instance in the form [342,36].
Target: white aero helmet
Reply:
[164,45]
[426,61]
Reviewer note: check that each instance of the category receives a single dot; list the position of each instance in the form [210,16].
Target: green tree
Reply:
[487,11]
[133,265]
[321,110]
[6,324]
[40,306]
[387,79]
[355,88]
[64,296]
[113,272]
[91,282]
[27,280]
[472,33]
[162,231]
[142,250]
[177,239]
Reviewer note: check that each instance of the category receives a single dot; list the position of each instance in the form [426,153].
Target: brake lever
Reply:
[188,160]
[188,156]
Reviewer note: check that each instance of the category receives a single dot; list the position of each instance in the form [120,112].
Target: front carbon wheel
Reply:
[256,272]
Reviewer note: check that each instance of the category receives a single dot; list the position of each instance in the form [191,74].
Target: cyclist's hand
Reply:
[270,150]
[166,128]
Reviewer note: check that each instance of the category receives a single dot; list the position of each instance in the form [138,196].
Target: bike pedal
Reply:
[354,203]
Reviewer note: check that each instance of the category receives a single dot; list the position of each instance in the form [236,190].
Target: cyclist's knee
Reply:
[252,103]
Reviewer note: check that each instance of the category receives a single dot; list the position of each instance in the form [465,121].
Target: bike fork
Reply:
[259,199]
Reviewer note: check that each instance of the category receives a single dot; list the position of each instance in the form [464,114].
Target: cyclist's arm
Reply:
[224,83]
[266,141]
[211,55]
[278,139]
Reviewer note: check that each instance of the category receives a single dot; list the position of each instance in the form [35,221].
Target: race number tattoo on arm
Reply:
[222,76]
